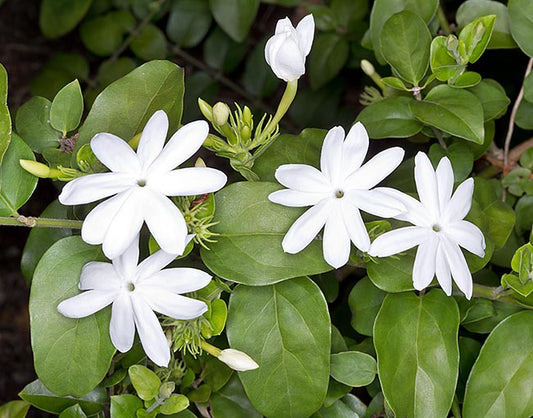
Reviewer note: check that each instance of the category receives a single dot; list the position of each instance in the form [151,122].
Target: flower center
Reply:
[141,182]
[339,193]
[130,286]
[436,228]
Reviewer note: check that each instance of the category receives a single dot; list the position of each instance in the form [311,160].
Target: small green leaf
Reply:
[145,382]
[222,52]
[526,159]
[476,36]
[102,35]
[467,79]
[219,313]
[459,155]
[5,119]
[328,56]
[443,64]
[112,70]
[492,97]
[216,374]
[176,403]
[232,402]
[67,108]
[73,411]
[150,44]
[392,274]
[521,22]
[353,368]
[365,300]
[58,17]
[125,406]
[395,83]
[188,22]
[14,409]
[234,16]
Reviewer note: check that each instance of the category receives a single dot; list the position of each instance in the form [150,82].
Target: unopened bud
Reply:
[166,389]
[246,134]
[39,169]
[220,114]
[247,117]
[367,68]
[199,163]
[206,109]
[237,360]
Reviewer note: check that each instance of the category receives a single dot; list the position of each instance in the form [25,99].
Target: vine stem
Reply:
[32,222]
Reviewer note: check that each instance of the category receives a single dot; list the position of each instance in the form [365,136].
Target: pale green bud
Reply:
[166,389]
[247,116]
[39,169]
[206,109]
[367,68]
[246,134]
[220,113]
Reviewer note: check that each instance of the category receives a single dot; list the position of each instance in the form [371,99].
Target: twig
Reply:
[32,222]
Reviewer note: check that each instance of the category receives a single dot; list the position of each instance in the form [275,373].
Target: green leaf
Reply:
[526,159]
[418,358]
[102,35]
[176,403]
[71,356]
[460,156]
[222,52]
[390,118]
[365,300]
[501,379]
[216,374]
[5,119]
[524,116]
[188,22]
[39,396]
[145,382]
[125,406]
[32,123]
[468,352]
[73,411]
[443,64]
[492,97]
[501,33]
[16,184]
[111,70]
[290,149]
[349,13]
[232,402]
[528,88]
[521,22]
[524,214]
[353,368]
[328,56]
[150,44]
[476,36]
[58,17]
[485,323]
[235,17]
[392,274]
[405,42]
[258,78]
[67,108]
[285,328]
[467,79]
[248,249]
[455,111]
[14,409]
[395,83]
[124,107]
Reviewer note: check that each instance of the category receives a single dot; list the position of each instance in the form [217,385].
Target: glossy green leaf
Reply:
[67,108]
[216,374]
[125,406]
[524,116]
[14,409]
[234,16]
[395,83]
[39,396]
[222,52]
[232,402]
[455,111]
[501,379]
[524,214]
[102,35]
[188,22]
[145,382]
[476,36]
[16,184]
[5,119]
[492,97]
[111,70]
[73,411]
[390,118]
[285,328]
[442,62]
[392,274]
[459,155]
[365,300]
[467,79]
[418,358]
[405,41]
[353,368]
[176,403]
[71,356]
[501,33]
[290,149]
[248,249]
[522,264]
[486,321]
[258,77]
[328,56]
[153,86]
[521,22]
[150,44]
[347,407]
[58,17]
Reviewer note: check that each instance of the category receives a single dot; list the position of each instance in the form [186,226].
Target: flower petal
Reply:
[295,198]
[336,244]
[445,179]
[415,213]
[355,148]
[375,170]
[376,202]
[461,201]
[426,184]
[468,236]
[287,59]
[115,153]
[303,178]
[331,155]
[126,263]
[188,181]
[442,270]
[122,324]
[170,304]
[96,275]
[355,226]
[93,187]
[183,144]
[398,240]
[306,32]
[305,228]
[425,262]
[86,303]
[152,138]
[459,269]
[151,334]
[178,280]
[165,223]
[153,264]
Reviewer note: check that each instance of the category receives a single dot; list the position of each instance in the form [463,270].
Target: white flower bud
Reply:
[237,360]
[286,51]
[220,113]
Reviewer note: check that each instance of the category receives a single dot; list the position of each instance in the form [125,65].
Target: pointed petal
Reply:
[295,198]
[115,153]
[122,325]
[178,280]
[376,202]
[398,240]
[460,271]
[336,244]
[96,275]
[287,60]
[172,305]
[375,170]
[188,181]
[445,179]
[426,184]
[355,148]
[183,144]
[414,212]
[461,201]
[93,187]
[151,334]
[165,223]
[305,228]
[303,178]
[306,32]
[153,264]
[126,263]
[152,138]
[355,226]
[425,263]
[86,303]
[468,236]
[331,155]
[442,270]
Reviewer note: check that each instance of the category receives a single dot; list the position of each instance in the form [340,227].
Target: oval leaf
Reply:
[188,22]
[365,300]
[328,56]
[353,368]
[58,17]
[492,97]
[235,16]
[67,108]
[285,328]
[521,20]
[393,274]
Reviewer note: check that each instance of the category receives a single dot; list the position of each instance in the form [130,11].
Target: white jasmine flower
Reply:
[237,360]
[135,291]
[336,193]
[286,51]
[439,228]
[140,183]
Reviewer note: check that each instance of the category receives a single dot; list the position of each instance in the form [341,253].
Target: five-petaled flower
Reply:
[135,291]
[336,193]
[439,228]
[140,183]
[287,49]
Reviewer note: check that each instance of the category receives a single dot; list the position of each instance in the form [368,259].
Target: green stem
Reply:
[456,411]
[211,349]
[32,222]
[444,25]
